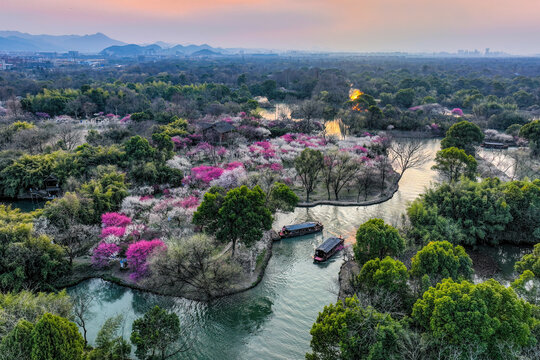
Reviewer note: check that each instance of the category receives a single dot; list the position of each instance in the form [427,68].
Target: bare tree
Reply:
[412,346]
[406,155]
[384,166]
[364,181]
[82,310]
[525,166]
[191,265]
[69,136]
[345,170]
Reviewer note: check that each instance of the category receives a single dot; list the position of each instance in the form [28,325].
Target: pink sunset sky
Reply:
[341,25]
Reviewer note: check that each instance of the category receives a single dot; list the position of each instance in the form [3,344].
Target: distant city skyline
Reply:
[340,25]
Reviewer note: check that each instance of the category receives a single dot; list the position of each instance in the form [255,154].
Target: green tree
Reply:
[513,129]
[375,239]
[388,274]
[109,344]
[375,115]
[56,338]
[67,217]
[440,260]
[486,212]
[36,262]
[348,331]
[157,335]
[531,132]
[530,262]
[176,128]
[452,163]
[384,283]
[484,315]
[138,148]
[281,197]
[527,286]
[29,306]
[463,135]
[207,214]
[26,172]
[524,99]
[17,344]
[308,166]
[503,120]
[164,147]
[404,98]
[106,192]
[243,217]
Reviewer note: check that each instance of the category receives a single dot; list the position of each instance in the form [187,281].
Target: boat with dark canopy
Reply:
[306,228]
[328,248]
[494,145]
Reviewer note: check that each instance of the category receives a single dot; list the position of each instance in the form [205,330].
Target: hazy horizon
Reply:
[342,25]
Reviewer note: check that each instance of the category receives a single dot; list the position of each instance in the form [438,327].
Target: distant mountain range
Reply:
[15,41]
[18,41]
[155,49]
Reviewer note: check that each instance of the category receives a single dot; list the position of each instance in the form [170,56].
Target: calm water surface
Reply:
[271,321]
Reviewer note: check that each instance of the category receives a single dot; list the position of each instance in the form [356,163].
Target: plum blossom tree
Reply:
[115,219]
[116,231]
[103,253]
[138,253]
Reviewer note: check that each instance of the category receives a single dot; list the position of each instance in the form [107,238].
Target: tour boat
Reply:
[494,145]
[328,248]
[289,231]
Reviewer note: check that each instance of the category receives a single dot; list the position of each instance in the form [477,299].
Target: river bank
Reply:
[83,270]
[387,195]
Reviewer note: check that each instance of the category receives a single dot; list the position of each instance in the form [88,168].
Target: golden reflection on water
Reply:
[335,128]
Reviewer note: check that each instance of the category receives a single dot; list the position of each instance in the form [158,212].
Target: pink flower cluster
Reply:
[125,118]
[304,139]
[273,166]
[181,142]
[138,253]
[263,148]
[103,253]
[204,146]
[359,149]
[189,202]
[457,111]
[221,151]
[115,219]
[233,165]
[205,173]
[113,231]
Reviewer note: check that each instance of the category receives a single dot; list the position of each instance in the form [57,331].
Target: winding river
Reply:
[271,321]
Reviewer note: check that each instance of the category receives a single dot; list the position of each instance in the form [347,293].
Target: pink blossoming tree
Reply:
[103,254]
[115,219]
[138,253]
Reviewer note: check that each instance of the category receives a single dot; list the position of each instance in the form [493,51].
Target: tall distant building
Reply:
[487,52]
